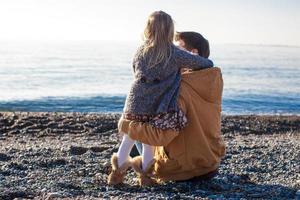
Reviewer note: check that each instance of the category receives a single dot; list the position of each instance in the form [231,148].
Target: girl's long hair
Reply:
[158,38]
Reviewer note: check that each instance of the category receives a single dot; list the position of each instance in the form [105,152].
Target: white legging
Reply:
[125,148]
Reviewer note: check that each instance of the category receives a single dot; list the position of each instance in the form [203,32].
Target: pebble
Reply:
[43,190]
[201,192]
[297,197]
[216,196]
[77,150]
[53,195]
[98,149]
[260,162]
[4,157]
[86,181]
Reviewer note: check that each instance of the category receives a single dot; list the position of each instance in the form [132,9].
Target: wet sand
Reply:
[66,156]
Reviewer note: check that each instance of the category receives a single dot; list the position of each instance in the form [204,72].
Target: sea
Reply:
[95,76]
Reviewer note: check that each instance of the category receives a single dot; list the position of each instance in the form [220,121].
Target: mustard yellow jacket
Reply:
[199,147]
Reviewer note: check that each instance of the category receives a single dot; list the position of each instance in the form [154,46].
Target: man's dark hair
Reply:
[194,40]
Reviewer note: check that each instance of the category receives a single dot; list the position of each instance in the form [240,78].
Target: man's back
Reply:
[198,149]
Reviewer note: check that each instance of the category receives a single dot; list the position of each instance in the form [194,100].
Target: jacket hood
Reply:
[207,83]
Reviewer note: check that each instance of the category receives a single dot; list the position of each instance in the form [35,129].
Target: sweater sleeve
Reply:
[148,134]
[145,133]
[186,60]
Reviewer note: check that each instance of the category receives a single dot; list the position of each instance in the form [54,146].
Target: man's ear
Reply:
[195,51]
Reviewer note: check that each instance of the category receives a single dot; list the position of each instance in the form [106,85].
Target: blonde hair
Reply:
[158,37]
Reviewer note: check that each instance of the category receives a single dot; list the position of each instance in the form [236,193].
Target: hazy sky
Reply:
[230,21]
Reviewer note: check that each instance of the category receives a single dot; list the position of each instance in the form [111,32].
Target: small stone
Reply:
[256,195]
[43,190]
[236,178]
[225,179]
[98,149]
[53,195]
[106,164]
[201,192]
[86,181]
[81,172]
[215,197]
[4,157]
[297,197]
[30,181]
[77,150]
[102,189]
[98,178]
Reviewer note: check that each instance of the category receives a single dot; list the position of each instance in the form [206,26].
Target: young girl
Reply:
[154,92]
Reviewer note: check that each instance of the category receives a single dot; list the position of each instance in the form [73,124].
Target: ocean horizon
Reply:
[95,76]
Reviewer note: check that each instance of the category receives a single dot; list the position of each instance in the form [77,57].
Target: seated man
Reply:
[196,151]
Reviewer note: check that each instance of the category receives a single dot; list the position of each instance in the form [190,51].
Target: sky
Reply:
[269,22]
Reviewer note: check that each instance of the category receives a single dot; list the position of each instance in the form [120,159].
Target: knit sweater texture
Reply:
[155,89]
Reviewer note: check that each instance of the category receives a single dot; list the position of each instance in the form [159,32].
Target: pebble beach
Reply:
[51,155]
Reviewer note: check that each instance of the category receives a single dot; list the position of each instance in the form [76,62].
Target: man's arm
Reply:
[146,133]
[185,59]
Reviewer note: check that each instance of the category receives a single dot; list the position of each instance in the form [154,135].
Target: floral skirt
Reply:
[175,120]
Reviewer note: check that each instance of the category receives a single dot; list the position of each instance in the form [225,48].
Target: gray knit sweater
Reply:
[155,90]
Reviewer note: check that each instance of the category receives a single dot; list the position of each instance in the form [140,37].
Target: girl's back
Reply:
[155,89]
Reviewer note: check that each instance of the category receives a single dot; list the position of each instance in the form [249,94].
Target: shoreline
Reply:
[118,112]
[69,112]
[60,155]
[242,124]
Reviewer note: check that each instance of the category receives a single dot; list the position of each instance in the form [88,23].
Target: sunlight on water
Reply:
[64,70]
[97,75]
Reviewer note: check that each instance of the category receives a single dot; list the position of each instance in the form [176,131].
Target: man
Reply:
[193,42]
[196,151]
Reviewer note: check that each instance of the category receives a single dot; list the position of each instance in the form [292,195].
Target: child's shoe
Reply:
[118,173]
[145,178]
